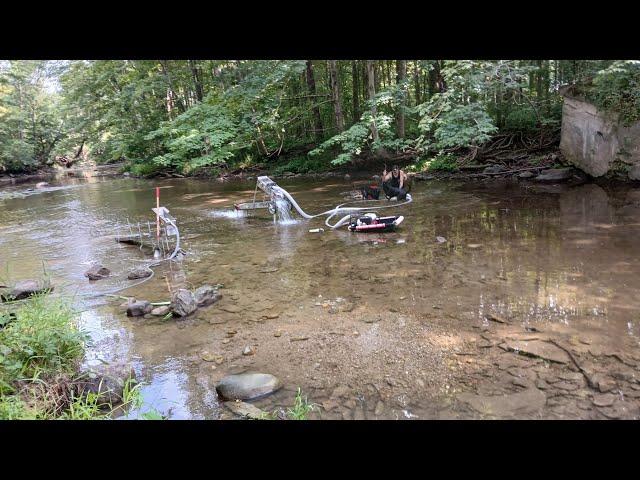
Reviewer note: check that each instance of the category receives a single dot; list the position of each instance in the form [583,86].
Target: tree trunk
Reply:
[416,79]
[401,70]
[355,89]
[372,92]
[174,95]
[336,94]
[311,85]
[80,149]
[195,72]
[440,83]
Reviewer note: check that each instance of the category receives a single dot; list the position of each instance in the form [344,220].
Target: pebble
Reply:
[248,350]
[207,356]
[226,340]
[605,400]
[277,334]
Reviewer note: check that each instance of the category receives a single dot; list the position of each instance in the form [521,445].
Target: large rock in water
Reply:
[206,295]
[139,308]
[247,386]
[139,273]
[634,172]
[183,303]
[26,288]
[555,174]
[108,381]
[96,272]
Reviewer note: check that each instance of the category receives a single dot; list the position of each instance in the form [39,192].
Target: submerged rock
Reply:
[634,172]
[247,386]
[528,174]
[139,273]
[139,308]
[206,295]
[108,381]
[183,303]
[42,184]
[494,169]
[525,402]
[540,349]
[245,410]
[97,272]
[26,288]
[555,174]
[161,311]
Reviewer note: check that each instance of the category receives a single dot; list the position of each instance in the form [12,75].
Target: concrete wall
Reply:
[596,143]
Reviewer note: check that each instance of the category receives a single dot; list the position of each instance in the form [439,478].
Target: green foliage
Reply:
[359,138]
[204,135]
[43,341]
[443,163]
[617,90]
[13,408]
[30,126]
[210,116]
[301,407]
[455,126]
[302,164]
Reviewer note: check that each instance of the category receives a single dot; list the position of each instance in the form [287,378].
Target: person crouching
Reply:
[394,183]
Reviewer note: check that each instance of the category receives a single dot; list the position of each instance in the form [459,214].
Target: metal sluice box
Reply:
[265,184]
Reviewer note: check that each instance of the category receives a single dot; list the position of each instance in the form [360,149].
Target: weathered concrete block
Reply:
[594,141]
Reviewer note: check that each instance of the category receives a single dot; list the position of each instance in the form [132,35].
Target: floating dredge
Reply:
[277,200]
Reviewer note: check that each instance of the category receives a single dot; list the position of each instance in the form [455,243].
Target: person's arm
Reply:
[402,175]
[385,176]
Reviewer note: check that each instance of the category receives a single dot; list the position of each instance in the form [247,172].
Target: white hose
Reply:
[334,211]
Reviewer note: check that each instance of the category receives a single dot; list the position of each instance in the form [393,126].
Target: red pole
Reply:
[158,212]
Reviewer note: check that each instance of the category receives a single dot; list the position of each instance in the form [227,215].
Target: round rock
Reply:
[247,386]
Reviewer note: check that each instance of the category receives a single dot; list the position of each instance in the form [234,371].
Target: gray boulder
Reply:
[183,303]
[107,381]
[26,288]
[206,295]
[634,172]
[494,169]
[42,184]
[555,174]
[97,272]
[161,311]
[139,308]
[139,273]
[528,174]
[247,386]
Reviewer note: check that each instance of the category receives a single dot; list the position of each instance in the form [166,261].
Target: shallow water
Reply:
[560,259]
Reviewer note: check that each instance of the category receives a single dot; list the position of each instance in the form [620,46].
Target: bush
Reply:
[41,342]
[443,163]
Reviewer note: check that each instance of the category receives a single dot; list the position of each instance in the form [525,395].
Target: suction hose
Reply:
[335,211]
